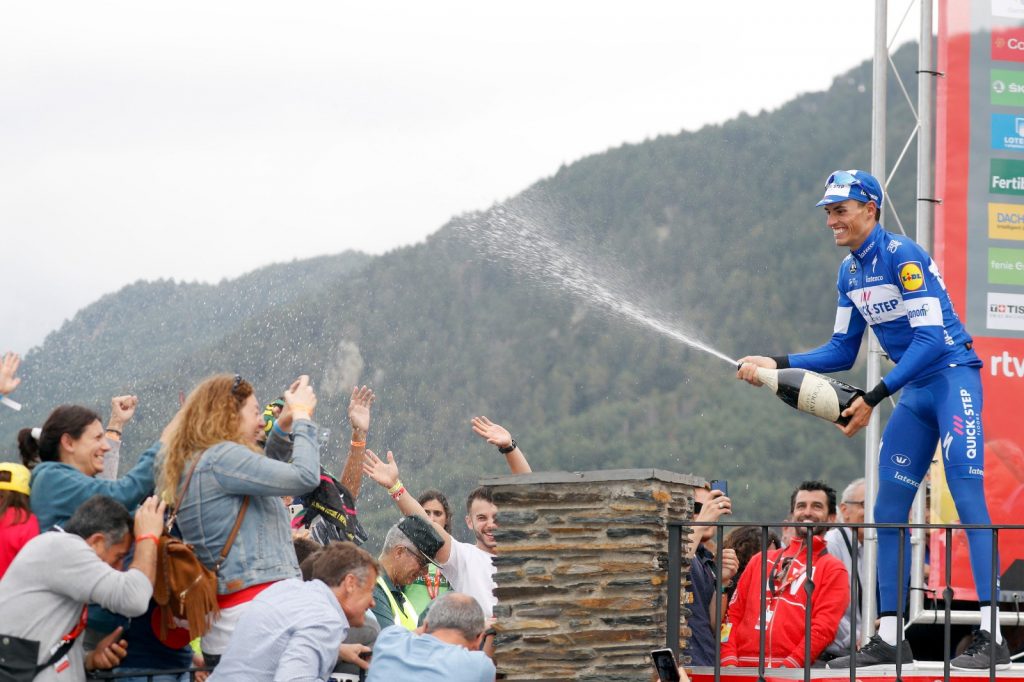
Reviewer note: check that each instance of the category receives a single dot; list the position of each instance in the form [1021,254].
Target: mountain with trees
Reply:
[511,313]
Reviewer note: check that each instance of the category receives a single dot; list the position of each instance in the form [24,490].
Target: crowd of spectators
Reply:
[295,598]
[242,483]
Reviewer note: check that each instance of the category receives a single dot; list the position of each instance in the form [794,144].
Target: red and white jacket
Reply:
[785,605]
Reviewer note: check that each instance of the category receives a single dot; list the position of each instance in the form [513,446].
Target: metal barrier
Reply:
[675,544]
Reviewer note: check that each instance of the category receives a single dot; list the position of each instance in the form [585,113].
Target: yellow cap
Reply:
[14,477]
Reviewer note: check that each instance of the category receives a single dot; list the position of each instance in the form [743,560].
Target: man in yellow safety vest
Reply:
[409,547]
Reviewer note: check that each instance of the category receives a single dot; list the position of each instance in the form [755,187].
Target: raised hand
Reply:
[149,517]
[359,410]
[8,370]
[730,565]
[495,434]
[716,506]
[300,398]
[385,473]
[122,409]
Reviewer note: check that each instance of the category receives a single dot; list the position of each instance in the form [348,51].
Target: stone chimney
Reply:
[582,567]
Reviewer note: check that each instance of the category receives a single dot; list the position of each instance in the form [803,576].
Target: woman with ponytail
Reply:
[212,444]
[67,453]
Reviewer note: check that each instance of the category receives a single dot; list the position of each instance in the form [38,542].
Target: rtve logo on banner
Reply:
[1008,44]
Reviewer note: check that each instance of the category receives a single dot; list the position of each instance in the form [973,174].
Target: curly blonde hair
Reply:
[209,416]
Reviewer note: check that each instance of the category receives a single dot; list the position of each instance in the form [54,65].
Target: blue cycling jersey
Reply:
[894,286]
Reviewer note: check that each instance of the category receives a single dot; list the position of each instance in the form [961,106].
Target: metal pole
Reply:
[879,76]
[926,75]
[925,221]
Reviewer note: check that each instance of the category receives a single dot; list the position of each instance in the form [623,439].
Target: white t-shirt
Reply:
[470,570]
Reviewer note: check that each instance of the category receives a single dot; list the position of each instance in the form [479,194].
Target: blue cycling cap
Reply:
[852,184]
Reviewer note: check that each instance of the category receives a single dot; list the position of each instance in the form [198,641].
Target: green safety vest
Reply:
[404,614]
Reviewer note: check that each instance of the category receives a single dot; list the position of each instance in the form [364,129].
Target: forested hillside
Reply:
[715,230]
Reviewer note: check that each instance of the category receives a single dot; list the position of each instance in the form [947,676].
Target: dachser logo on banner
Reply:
[1008,45]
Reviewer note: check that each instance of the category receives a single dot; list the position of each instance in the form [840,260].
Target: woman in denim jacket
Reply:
[220,423]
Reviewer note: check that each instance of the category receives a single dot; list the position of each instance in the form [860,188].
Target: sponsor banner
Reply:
[1009,9]
[1007,87]
[1003,382]
[973,215]
[1008,132]
[1006,221]
[1005,311]
[1006,176]
[1008,45]
[1006,266]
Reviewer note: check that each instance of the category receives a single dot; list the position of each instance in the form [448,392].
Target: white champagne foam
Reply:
[523,241]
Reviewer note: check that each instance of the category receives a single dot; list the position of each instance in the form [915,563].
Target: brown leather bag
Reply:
[185,589]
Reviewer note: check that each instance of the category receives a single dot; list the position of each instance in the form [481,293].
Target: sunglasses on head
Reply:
[842,178]
[238,382]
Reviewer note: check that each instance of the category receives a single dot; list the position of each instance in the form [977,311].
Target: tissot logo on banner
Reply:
[1007,87]
[1005,311]
[1008,132]
[1006,221]
[1007,177]
[1012,9]
[1008,45]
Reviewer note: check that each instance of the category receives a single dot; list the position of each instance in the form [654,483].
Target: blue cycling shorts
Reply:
[944,408]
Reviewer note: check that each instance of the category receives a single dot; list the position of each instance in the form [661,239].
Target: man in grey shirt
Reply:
[840,543]
[46,589]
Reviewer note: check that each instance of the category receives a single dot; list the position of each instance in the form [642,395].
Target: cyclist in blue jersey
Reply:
[889,282]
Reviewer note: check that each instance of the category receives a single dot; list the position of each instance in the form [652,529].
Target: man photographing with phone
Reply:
[703,594]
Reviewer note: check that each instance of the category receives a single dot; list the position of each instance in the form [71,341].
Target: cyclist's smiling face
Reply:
[850,221]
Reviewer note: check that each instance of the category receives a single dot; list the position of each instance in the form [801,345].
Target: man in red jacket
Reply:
[786,598]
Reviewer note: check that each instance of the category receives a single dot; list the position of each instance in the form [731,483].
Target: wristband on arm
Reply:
[877,394]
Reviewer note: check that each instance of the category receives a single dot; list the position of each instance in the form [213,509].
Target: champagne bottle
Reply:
[809,392]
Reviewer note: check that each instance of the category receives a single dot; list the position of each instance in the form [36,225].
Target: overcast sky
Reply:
[200,140]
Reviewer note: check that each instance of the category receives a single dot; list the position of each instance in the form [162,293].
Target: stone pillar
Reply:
[582,567]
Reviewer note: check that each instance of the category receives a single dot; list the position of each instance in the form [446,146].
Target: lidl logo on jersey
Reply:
[1007,87]
[1006,176]
[1008,132]
[1006,221]
[1005,311]
[912,276]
